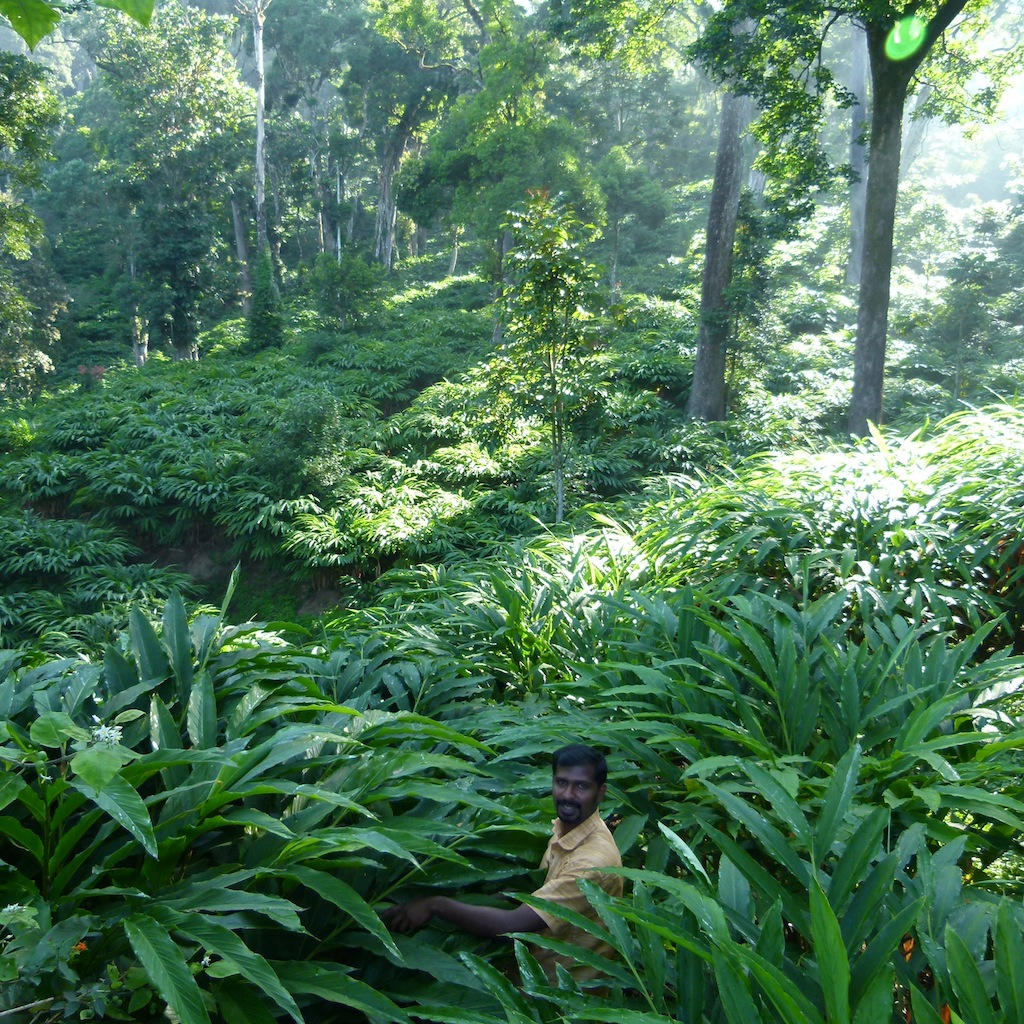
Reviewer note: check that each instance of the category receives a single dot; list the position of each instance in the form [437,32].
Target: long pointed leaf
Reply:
[830,954]
[120,800]
[836,804]
[178,642]
[967,982]
[166,968]
[733,991]
[202,713]
[332,982]
[148,650]
[220,940]
[1009,963]
[345,898]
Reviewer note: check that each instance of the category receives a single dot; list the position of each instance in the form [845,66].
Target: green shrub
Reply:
[266,323]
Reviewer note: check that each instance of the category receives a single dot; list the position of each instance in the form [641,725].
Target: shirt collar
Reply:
[571,839]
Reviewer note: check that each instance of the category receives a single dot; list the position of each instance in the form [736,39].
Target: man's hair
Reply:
[575,755]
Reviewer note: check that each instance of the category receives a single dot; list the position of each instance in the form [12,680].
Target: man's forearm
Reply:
[484,921]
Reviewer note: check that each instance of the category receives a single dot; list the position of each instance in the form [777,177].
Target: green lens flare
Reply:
[906,37]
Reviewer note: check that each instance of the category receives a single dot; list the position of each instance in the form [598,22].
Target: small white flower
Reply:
[206,961]
[12,908]
[106,735]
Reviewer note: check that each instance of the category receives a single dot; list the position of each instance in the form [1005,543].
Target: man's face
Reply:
[575,793]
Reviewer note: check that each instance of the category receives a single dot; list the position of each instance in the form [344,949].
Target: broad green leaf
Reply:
[332,982]
[733,888]
[531,973]
[612,968]
[794,909]
[924,1012]
[837,801]
[166,967]
[250,818]
[146,646]
[345,898]
[202,713]
[858,852]
[55,728]
[220,940]
[879,950]
[164,735]
[771,943]
[772,841]
[629,830]
[997,806]
[420,954]
[733,990]
[875,1006]
[830,954]
[140,10]
[517,1010]
[1007,940]
[120,800]
[783,803]
[620,1015]
[783,991]
[96,766]
[118,672]
[236,1004]
[31,19]
[685,853]
[216,895]
[653,956]
[8,970]
[17,834]
[178,641]
[967,982]
[10,786]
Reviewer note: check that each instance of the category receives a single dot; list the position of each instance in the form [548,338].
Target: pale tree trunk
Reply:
[337,204]
[707,394]
[858,155]
[242,252]
[137,323]
[454,261]
[140,338]
[259,13]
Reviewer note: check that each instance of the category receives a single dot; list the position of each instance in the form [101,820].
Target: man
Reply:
[580,847]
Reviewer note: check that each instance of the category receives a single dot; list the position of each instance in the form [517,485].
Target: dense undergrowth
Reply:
[804,676]
[803,659]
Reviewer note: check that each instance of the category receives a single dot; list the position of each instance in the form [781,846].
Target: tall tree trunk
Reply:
[890,80]
[387,209]
[858,155]
[454,261]
[259,12]
[242,252]
[707,395]
[140,337]
[888,92]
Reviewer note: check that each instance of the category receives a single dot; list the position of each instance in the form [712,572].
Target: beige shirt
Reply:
[570,856]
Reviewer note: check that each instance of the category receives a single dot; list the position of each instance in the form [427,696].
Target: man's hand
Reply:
[409,918]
